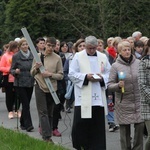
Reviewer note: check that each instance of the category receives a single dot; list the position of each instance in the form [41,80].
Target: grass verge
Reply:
[14,140]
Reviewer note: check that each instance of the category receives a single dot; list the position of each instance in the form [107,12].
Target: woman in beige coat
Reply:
[127,102]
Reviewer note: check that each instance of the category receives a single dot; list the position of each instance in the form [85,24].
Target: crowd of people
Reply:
[92,79]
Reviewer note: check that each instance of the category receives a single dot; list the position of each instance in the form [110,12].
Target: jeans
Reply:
[110,116]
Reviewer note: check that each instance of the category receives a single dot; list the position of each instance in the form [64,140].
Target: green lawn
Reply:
[14,140]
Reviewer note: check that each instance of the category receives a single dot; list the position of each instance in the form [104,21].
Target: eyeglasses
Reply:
[91,48]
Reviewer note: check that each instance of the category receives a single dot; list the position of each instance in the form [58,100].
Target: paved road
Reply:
[64,126]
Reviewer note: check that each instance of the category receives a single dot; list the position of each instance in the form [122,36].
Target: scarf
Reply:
[26,55]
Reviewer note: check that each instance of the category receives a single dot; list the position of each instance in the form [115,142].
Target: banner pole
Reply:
[42,69]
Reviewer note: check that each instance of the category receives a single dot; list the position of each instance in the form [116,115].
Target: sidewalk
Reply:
[112,138]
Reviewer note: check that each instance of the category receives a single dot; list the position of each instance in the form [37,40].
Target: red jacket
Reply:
[5,64]
[112,52]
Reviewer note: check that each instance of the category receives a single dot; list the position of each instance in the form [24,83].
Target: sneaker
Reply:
[10,115]
[56,133]
[111,128]
[18,114]
[116,127]
[68,110]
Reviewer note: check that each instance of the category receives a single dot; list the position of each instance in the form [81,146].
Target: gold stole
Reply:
[86,92]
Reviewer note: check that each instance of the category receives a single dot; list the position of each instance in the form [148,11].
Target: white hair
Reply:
[91,40]
[17,39]
[136,33]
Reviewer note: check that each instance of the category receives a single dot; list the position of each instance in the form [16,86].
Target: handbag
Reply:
[69,90]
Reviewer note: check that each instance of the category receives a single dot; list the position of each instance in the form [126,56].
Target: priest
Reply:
[89,71]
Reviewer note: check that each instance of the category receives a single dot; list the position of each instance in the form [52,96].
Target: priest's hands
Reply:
[94,77]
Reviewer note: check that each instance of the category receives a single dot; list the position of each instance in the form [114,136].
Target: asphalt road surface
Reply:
[112,138]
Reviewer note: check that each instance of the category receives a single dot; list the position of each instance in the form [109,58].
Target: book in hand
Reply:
[95,76]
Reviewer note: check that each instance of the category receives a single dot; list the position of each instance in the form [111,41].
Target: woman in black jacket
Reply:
[24,82]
